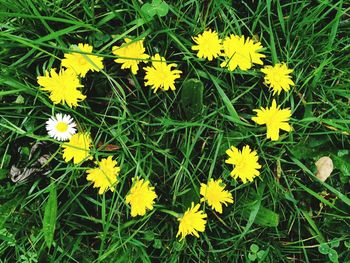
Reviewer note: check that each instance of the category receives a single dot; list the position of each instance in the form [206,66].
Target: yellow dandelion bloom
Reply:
[130,54]
[275,119]
[208,45]
[63,87]
[141,197]
[192,222]
[245,163]
[160,75]
[277,77]
[78,148]
[105,175]
[82,62]
[241,53]
[215,195]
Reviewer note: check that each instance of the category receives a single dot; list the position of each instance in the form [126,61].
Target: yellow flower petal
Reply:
[274,118]
[192,222]
[130,54]
[63,87]
[245,163]
[105,175]
[141,197]
[208,45]
[277,77]
[160,75]
[213,192]
[78,148]
[82,62]
[241,53]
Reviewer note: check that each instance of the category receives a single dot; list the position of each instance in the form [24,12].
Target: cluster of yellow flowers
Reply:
[245,166]
[242,53]
[159,76]
[63,88]
[236,52]
[194,220]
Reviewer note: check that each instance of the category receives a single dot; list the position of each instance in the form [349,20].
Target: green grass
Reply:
[280,211]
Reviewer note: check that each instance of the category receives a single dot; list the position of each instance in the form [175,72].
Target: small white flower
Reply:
[61,127]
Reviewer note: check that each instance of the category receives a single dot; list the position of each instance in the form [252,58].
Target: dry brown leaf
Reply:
[324,168]
[108,147]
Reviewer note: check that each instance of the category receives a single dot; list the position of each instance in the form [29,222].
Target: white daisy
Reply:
[61,127]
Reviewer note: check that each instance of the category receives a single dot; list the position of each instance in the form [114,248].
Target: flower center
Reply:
[213,196]
[61,127]
[277,76]
[163,74]
[245,167]
[82,60]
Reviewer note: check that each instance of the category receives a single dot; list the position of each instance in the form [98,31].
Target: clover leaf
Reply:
[157,7]
[324,249]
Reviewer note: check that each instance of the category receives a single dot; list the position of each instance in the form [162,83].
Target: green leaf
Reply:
[7,237]
[50,216]
[252,256]
[254,248]
[261,254]
[192,98]
[347,244]
[157,244]
[179,246]
[19,99]
[333,255]
[157,7]
[302,151]
[149,236]
[3,173]
[148,10]
[342,163]
[334,243]
[323,249]
[8,209]
[264,216]
[343,152]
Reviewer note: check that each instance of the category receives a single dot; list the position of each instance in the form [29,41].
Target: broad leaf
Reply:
[192,98]
[50,216]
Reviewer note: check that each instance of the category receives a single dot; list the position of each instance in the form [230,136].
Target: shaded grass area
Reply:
[156,141]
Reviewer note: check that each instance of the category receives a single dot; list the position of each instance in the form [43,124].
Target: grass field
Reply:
[284,215]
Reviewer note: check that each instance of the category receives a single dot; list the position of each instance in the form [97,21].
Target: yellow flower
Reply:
[191,222]
[241,53]
[275,119]
[214,194]
[130,54]
[78,148]
[208,45]
[141,197]
[105,175]
[63,87]
[245,163]
[82,62]
[160,75]
[278,77]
